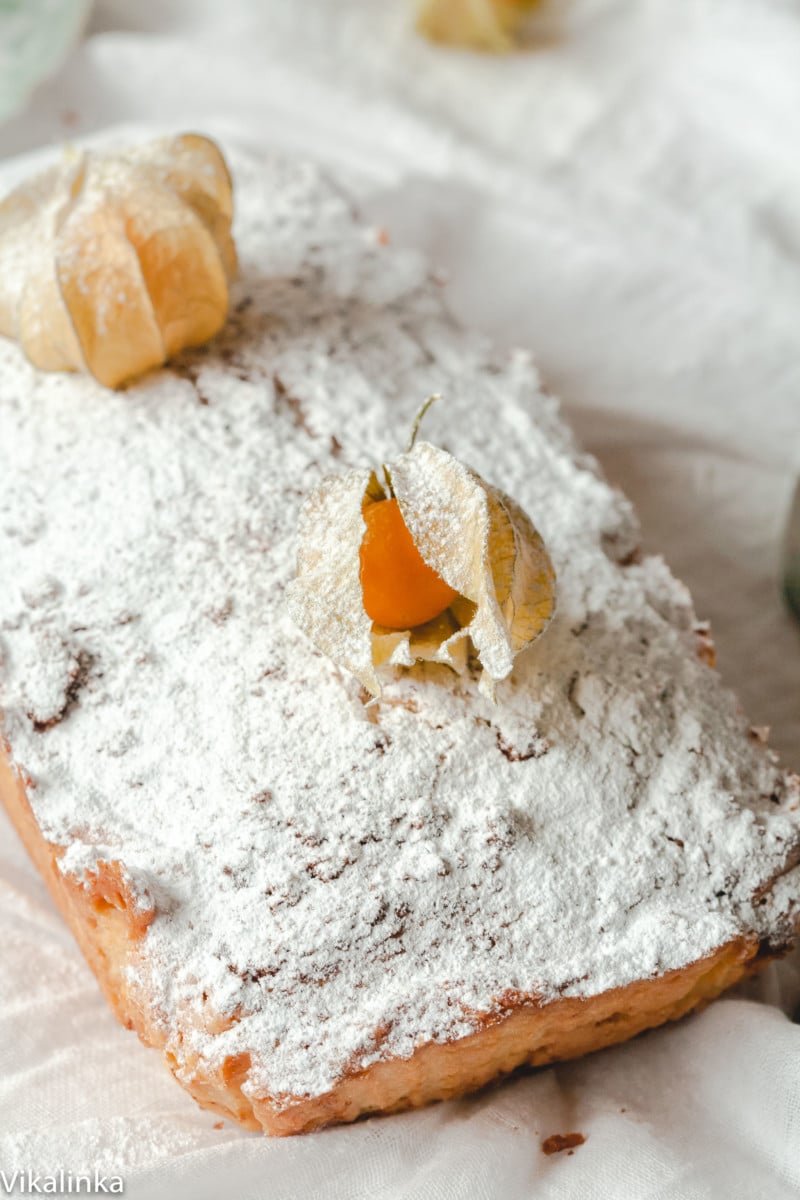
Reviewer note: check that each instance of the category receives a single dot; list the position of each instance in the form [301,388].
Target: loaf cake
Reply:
[314,904]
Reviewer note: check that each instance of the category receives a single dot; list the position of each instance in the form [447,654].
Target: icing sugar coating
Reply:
[345,882]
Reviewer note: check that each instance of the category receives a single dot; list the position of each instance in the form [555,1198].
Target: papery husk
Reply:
[112,263]
[480,24]
[325,599]
[474,536]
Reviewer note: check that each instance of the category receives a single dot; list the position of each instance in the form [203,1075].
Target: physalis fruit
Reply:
[418,567]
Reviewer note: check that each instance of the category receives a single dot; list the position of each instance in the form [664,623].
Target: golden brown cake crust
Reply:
[108,930]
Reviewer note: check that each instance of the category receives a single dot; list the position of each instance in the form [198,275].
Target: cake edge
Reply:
[109,927]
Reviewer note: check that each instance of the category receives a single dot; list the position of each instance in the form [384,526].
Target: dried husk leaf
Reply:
[29,217]
[475,537]
[106,298]
[485,547]
[45,328]
[325,599]
[481,24]
[181,267]
[112,263]
[194,168]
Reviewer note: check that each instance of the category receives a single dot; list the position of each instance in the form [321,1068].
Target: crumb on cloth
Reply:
[562,1141]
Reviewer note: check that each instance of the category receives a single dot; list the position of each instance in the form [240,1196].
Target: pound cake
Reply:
[318,905]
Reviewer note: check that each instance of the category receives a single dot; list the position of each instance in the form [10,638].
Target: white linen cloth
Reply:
[624,199]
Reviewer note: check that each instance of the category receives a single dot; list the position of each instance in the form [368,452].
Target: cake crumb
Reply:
[562,1141]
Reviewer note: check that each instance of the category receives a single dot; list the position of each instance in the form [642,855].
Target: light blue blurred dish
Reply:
[35,38]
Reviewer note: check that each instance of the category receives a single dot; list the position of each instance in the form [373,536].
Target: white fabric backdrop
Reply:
[624,199]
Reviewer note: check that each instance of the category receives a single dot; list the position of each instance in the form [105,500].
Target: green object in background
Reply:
[791,563]
[35,38]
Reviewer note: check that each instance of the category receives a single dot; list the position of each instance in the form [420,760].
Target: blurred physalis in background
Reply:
[481,24]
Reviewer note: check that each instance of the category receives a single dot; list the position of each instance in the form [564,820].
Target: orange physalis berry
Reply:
[367,592]
[400,590]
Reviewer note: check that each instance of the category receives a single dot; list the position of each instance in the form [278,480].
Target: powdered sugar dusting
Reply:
[345,883]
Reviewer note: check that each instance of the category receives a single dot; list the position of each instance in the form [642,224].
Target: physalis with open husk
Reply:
[113,262]
[418,567]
